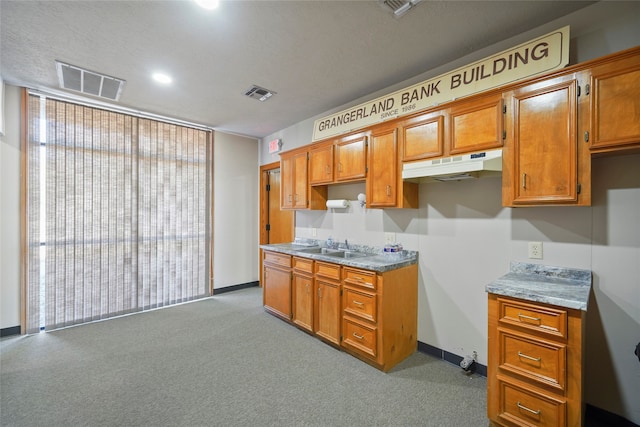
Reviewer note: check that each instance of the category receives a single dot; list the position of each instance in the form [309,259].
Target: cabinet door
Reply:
[277,291]
[615,105]
[321,165]
[286,184]
[351,161]
[476,125]
[303,301]
[383,172]
[327,310]
[423,137]
[544,154]
[300,181]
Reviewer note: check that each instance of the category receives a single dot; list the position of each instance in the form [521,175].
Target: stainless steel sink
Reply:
[348,254]
[323,251]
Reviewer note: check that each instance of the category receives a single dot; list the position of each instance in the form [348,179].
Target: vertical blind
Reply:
[118,213]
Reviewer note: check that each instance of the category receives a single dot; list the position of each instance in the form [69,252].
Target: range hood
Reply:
[455,168]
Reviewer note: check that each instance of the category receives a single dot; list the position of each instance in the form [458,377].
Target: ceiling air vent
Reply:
[259,93]
[88,82]
[399,7]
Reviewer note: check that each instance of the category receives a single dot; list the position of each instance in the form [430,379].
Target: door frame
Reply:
[264,207]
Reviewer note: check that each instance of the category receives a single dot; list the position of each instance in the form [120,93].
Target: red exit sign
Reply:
[274,146]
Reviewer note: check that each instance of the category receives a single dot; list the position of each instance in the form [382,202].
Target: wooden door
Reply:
[327,309]
[545,143]
[321,165]
[300,183]
[277,291]
[351,158]
[303,301]
[276,225]
[383,172]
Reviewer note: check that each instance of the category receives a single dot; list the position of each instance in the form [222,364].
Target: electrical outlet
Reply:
[314,232]
[389,238]
[535,250]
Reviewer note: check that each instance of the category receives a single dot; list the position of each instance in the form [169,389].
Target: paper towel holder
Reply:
[338,204]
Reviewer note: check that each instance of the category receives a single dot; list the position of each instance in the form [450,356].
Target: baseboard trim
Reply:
[218,291]
[449,357]
[607,418]
[13,330]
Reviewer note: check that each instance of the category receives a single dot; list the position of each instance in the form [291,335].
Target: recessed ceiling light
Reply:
[161,78]
[207,4]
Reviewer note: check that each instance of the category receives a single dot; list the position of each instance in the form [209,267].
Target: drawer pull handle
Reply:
[358,336]
[358,278]
[527,409]
[535,319]
[358,303]
[535,359]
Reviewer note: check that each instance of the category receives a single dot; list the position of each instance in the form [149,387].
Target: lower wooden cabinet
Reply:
[327,302]
[369,314]
[535,365]
[380,315]
[302,293]
[276,283]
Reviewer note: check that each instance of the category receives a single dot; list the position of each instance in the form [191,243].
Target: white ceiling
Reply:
[316,55]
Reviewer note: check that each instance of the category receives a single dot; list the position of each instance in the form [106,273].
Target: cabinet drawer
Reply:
[362,278]
[360,304]
[303,265]
[276,258]
[533,317]
[328,270]
[541,361]
[360,337]
[525,407]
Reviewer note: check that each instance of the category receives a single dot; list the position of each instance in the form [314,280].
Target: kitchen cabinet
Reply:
[293,167]
[542,162]
[422,136]
[535,367]
[276,283]
[327,302]
[385,187]
[615,105]
[369,314]
[321,165]
[351,157]
[302,293]
[379,317]
[476,124]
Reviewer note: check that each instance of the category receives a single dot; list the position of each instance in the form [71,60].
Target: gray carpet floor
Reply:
[222,361]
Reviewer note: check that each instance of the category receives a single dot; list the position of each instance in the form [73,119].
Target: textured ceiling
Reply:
[316,55]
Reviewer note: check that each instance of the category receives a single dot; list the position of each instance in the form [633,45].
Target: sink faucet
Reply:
[346,244]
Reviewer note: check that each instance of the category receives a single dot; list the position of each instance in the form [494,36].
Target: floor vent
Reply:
[399,7]
[88,82]
[259,93]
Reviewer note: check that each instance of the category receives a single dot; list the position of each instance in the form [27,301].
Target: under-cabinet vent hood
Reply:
[455,168]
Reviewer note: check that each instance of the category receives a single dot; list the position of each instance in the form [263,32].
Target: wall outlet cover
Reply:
[535,250]
[389,238]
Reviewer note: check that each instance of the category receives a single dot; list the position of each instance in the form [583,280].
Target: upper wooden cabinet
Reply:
[293,194]
[351,157]
[423,136]
[476,124]
[615,105]
[385,188]
[541,158]
[321,165]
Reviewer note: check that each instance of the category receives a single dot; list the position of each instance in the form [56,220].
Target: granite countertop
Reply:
[564,287]
[378,260]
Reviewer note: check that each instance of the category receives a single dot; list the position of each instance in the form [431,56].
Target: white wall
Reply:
[10,211]
[236,210]
[466,239]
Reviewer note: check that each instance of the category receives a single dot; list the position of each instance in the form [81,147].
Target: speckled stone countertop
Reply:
[564,287]
[378,260]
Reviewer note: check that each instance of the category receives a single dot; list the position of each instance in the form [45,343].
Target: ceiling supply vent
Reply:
[399,7]
[259,93]
[88,82]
